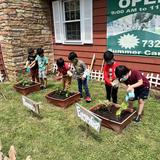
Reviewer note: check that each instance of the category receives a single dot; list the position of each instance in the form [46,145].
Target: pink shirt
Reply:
[64,69]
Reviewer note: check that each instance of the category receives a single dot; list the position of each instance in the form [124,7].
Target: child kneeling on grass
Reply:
[64,73]
[136,82]
[81,74]
[42,67]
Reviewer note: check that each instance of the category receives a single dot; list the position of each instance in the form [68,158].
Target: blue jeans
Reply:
[85,85]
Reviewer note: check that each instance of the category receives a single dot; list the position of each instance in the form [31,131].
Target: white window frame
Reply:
[60,37]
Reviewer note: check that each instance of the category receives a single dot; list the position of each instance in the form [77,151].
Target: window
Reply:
[73,21]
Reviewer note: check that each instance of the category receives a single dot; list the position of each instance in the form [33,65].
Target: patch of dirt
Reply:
[110,113]
[60,94]
[25,85]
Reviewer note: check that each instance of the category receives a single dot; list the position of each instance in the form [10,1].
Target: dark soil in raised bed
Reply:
[24,86]
[110,113]
[60,94]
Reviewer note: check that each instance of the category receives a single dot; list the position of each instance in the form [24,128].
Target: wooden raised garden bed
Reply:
[109,118]
[32,87]
[63,99]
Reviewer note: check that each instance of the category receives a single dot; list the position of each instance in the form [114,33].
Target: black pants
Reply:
[111,92]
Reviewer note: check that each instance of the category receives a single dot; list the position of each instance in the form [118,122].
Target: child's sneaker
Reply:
[137,118]
[41,87]
[88,99]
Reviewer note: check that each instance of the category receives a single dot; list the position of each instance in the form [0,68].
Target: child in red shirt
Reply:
[64,73]
[109,76]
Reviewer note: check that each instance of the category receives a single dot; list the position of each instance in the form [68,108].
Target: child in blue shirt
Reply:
[42,67]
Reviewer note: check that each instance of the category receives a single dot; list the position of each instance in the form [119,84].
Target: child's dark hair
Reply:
[108,55]
[72,56]
[30,50]
[60,62]
[40,51]
[121,71]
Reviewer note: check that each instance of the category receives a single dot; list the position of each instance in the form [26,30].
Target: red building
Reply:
[62,26]
[80,26]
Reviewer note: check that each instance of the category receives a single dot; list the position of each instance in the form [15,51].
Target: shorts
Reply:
[42,74]
[34,74]
[141,93]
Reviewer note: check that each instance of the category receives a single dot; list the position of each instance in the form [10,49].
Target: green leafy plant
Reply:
[62,92]
[23,79]
[122,107]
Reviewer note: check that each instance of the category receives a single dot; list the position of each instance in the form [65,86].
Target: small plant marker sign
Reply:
[30,104]
[88,117]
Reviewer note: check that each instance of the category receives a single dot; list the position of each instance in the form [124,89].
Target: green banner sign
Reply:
[133,27]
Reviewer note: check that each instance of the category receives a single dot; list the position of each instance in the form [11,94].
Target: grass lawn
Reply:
[60,135]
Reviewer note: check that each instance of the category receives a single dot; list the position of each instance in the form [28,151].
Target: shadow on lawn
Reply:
[50,85]
[90,133]
[35,115]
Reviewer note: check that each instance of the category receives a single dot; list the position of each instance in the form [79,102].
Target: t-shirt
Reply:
[31,58]
[80,68]
[64,69]
[135,77]
[42,62]
[109,72]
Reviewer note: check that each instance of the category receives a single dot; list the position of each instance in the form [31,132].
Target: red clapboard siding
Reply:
[85,52]
[99,11]
[99,4]
[144,64]
[99,19]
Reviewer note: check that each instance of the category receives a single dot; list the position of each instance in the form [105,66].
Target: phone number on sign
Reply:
[151,43]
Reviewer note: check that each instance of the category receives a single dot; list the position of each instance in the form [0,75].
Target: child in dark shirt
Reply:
[136,82]
[34,70]
[64,73]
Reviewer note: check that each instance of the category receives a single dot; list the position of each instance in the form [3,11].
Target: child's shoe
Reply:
[137,118]
[88,99]
[41,87]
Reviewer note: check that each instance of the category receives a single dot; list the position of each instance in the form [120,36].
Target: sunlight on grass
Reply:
[60,135]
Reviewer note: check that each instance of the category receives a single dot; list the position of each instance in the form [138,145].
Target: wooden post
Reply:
[102,65]
[87,130]
[29,158]
[93,59]
[12,153]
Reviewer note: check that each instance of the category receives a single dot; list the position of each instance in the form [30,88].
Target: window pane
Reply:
[66,6]
[72,10]
[77,15]
[77,5]
[72,6]
[67,16]
[73,31]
